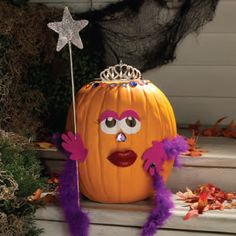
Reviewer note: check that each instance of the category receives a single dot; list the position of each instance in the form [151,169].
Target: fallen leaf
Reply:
[202,201]
[43,145]
[193,149]
[191,214]
[195,127]
[50,198]
[229,131]
[215,129]
[230,205]
[206,197]
[36,195]
[188,194]
[230,197]
[53,180]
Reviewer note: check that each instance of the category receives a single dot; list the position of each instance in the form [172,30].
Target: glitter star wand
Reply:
[68,30]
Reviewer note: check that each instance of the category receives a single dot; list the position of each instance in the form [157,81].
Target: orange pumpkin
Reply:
[152,120]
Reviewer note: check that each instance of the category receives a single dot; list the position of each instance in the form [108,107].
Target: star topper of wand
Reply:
[68,30]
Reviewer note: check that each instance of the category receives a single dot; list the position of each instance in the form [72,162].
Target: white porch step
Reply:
[127,219]
[217,166]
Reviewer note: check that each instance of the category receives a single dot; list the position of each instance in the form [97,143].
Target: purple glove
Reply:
[154,158]
[74,145]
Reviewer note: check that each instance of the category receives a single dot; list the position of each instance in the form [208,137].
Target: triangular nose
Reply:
[120,137]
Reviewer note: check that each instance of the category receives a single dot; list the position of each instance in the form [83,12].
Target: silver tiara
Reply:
[120,72]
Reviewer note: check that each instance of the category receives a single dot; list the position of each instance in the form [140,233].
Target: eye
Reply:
[130,125]
[110,122]
[130,121]
[109,125]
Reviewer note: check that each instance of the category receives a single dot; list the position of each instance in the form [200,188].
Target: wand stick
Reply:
[68,30]
[74,113]
[72,87]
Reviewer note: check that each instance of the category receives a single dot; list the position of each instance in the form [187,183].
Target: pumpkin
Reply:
[118,120]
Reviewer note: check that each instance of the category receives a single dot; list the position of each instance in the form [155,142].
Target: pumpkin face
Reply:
[117,122]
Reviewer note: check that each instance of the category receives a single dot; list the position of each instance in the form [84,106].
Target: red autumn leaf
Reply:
[203,201]
[191,214]
[215,129]
[207,197]
[53,180]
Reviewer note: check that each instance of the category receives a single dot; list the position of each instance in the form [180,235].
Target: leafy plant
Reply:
[21,163]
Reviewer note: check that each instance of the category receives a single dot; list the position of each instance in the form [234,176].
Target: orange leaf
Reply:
[43,145]
[196,153]
[215,129]
[230,196]
[230,205]
[37,194]
[229,130]
[193,150]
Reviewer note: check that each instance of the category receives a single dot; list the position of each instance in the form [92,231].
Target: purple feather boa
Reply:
[174,147]
[69,196]
[161,211]
[162,198]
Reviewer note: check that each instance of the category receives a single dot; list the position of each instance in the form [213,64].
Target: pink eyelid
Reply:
[130,113]
[114,115]
[107,114]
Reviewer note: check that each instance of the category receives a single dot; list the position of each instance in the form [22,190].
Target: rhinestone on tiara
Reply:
[122,72]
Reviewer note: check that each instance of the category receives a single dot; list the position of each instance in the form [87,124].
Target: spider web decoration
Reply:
[145,34]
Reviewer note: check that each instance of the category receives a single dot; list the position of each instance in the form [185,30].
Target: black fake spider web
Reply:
[145,33]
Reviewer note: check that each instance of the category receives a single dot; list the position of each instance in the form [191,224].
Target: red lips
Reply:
[123,159]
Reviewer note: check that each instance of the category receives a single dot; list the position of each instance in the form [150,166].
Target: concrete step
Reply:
[127,219]
[217,166]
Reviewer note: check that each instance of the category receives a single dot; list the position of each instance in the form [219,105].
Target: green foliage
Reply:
[23,164]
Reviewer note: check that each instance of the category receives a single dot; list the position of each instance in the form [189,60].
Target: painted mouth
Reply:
[123,159]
